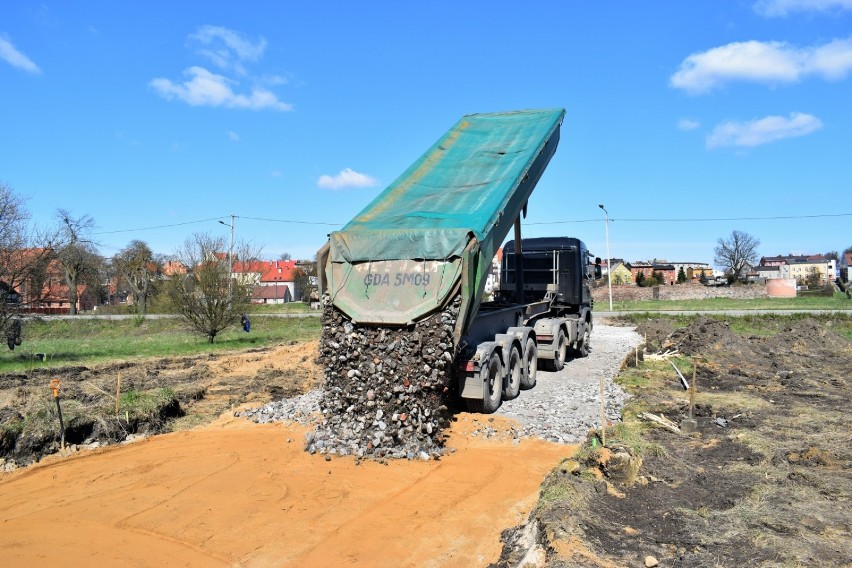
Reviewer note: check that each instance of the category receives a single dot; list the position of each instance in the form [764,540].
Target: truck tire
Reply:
[514,375]
[560,352]
[528,377]
[491,375]
[582,349]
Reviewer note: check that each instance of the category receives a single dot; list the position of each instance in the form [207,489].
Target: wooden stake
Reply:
[637,355]
[692,390]
[117,392]
[603,414]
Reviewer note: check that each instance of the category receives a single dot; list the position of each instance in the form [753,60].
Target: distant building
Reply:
[665,270]
[277,275]
[801,267]
[620,273]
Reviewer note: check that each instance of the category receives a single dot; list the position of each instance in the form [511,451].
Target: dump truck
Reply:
[428,240]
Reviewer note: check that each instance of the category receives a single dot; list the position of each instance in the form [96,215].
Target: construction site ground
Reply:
[771,486]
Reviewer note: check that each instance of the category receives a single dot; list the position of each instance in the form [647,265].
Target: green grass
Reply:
[838,302]
[158,306]
[85,341]
[139,404]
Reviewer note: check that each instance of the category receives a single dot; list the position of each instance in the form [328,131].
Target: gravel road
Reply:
[565,404]
[561,408]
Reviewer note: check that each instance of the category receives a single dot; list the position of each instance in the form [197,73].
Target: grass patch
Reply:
[137,404]
[73,341]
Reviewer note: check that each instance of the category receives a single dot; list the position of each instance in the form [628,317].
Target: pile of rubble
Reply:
[385,389]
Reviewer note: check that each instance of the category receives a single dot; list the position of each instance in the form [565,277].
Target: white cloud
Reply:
[233,136]
[763,130]
[15,58]
[774,8]
[227,49]
[204,88]
[687,124]
[347,178]
[762,62]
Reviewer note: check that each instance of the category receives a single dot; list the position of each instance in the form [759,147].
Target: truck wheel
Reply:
[491,375]
[582,349]
[515,374]
[528,377]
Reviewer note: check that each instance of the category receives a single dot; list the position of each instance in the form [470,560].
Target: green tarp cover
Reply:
[462,185]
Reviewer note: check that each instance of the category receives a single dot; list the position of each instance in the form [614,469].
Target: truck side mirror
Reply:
[598,271]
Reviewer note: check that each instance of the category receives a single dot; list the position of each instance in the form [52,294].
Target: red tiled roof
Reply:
[270,293]
[270,270]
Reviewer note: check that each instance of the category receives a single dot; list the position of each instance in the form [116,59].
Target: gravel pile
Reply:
[561,408]
[385,389]
[303,409]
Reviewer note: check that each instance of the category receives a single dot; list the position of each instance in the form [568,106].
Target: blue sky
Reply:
[684,118]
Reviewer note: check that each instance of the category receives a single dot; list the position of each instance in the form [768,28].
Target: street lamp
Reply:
[230,256]
[608,257]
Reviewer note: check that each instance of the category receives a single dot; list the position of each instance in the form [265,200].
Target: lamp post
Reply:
[231,256]
[608,257]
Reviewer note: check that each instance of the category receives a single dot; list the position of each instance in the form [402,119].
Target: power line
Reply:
[292,221]
[624,220]
[155,227]
[698,220]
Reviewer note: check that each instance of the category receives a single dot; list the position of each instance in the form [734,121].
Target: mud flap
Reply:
[471,386]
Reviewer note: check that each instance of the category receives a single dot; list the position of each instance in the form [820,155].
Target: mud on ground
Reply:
[765,479]
[157,395]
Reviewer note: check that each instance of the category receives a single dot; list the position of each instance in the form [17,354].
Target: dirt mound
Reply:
[763,479]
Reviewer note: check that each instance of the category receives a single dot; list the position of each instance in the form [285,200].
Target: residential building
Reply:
[697,269]
[277,275]
[801,267]
[667,271]
[621,274]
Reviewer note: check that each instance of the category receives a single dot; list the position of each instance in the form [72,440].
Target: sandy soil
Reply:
[235,493]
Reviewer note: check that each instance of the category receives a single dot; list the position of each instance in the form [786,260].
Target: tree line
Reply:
[35,261]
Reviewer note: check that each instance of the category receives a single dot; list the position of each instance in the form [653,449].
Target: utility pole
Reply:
[608,257]
[231,258]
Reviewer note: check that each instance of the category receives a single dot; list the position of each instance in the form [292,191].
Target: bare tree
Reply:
[138,267]
[285,256]
[737,251]
[207,297]
[24,257]
[76,253]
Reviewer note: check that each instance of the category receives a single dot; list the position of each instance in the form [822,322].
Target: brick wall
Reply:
[679,292]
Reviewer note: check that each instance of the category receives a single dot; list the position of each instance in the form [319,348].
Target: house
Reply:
[667,271]
[696,268]
[695,273]
[283,273]
[613,262]
[173,267]
[621,274]
[768,272]
[802,267]
[271,295]
[36,276]
[277,275]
